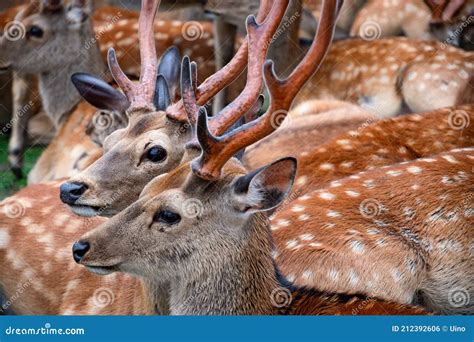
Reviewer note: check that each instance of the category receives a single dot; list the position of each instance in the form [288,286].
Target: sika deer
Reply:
[387,75]
[115,30]
[224,262]
[410,222]
[153,143]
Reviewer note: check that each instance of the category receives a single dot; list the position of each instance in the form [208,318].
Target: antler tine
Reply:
[188,94]
[140,95]
[259,38]
[452,8]
[437,7]
[216,151]
[226,75]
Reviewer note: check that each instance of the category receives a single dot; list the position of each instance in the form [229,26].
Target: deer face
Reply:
[45,36]
[150,145]
[182,223]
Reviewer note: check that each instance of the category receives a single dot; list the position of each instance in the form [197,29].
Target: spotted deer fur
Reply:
[413,218]
[385,18]
[392,75]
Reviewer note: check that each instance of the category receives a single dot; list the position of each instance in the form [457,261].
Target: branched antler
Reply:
[140,95]
[217,150]
[222,78]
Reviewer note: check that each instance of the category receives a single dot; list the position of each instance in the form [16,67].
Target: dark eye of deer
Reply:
[166,216]
[36,32]
[156,154]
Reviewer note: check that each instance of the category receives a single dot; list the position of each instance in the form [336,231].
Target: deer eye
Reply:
[166,216]
[35,31]
[156,154]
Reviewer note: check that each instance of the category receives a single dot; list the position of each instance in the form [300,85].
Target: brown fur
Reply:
[412,218]
[218,263]
[367,73]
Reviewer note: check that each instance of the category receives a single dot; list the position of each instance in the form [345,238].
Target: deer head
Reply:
[154,141]
[54,41]
[205,214]
[46,35]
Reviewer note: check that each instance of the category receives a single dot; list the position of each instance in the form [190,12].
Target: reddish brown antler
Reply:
[444,10]
[140,95]
[259,39]
[217,150]
[218,81]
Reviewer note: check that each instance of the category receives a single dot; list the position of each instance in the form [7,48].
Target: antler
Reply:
[216,151]
[259,39]
[443,10]
[140,95]
[51,5]
[226,75]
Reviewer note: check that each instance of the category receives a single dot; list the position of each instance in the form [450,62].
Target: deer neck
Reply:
[58,94]
[230,283]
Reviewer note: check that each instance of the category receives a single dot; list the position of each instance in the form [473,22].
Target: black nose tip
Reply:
[70,192]
[79,249]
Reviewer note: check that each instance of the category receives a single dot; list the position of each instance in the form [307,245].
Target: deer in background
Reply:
[127,54]
[241,227]
[443,20]
[393,75]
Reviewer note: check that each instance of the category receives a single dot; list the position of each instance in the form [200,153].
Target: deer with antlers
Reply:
[119,29]
[61,287]
[136,131]
[242,229]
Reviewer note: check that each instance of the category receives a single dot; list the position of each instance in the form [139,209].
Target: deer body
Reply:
[372,75]
[421,243]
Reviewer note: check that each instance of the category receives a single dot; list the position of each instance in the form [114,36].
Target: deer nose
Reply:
[79,249]
[70,192]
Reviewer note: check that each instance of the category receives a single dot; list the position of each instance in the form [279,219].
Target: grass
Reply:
[8,183]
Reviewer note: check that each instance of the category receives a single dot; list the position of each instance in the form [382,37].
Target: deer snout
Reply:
[71,192]
[79,250]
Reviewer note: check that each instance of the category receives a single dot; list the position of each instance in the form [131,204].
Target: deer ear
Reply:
[267,187]
[162,97]
[78,12]
[170,68]
[99,93]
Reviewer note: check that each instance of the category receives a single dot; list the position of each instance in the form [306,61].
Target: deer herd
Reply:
[344,188]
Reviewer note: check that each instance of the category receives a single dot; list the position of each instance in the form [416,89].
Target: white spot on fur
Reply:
[327,196]
[332,213]
[298,208]
[352,193]
[414,169]
[357,247]
[4,238]
[306,237]
[450,159]
[326,166]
